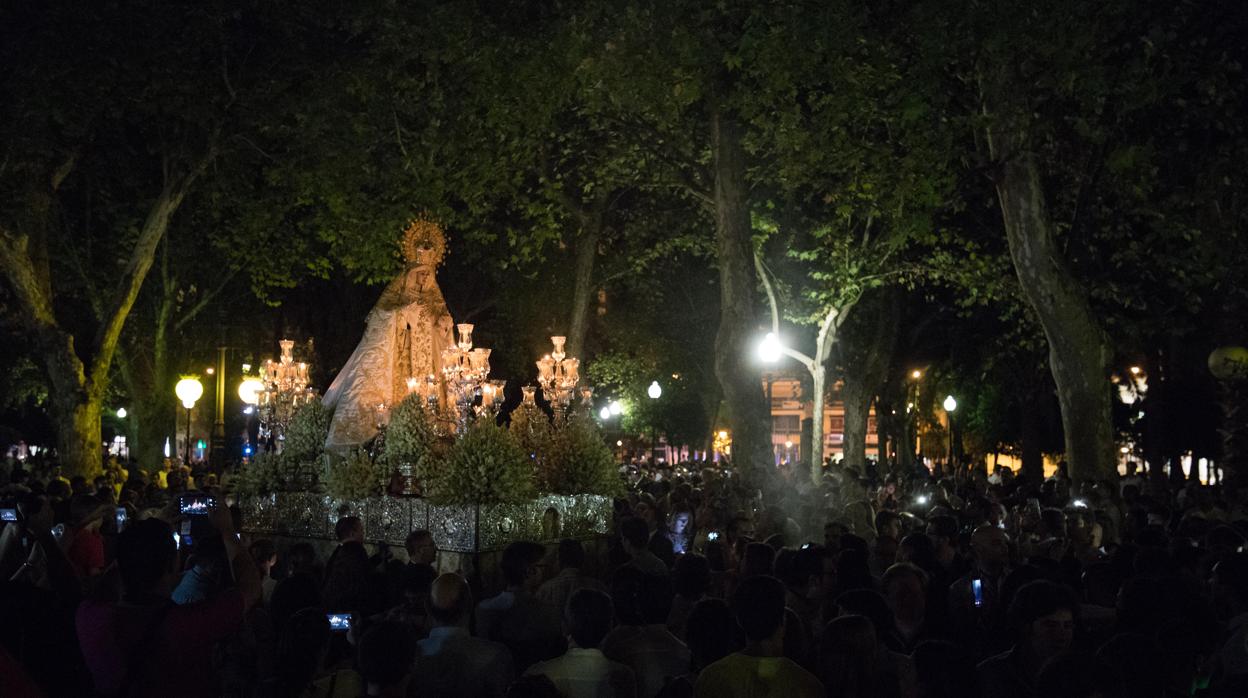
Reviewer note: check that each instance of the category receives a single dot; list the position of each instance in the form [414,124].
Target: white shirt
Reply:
[454,663]
[654,654]
[582,673]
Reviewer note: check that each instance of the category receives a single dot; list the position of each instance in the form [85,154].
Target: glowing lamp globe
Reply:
[769,349]
[121,413]
[188,391]
[655,390]
[605,413]
[1229,363]
[950,404]
[249,390]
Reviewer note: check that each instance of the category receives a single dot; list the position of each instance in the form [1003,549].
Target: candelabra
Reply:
[491,398]
[558,375]
[285,390]
[464,369]
[427,389]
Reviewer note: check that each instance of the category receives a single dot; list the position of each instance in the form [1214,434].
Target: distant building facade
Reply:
[791,408]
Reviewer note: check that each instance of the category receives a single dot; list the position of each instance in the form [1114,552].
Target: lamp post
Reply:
[249,392]
[188,391]
[655,391]
[217,453]
[950,405]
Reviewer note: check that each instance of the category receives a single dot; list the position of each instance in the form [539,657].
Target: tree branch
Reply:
[204,300]
[140,262]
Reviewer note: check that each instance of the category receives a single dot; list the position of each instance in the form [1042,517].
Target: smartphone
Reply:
[196,504]
[8,514]
[122,517]
[977,590]
[339,622]
[713,535]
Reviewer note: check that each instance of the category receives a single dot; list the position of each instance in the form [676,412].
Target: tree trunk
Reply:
[819,390]
[740,379]
[583,284]
[1079,352]
[74,406]
[1029,432]
[868,345]
[856,397]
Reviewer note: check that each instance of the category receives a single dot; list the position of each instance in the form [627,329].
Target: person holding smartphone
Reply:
[144,644]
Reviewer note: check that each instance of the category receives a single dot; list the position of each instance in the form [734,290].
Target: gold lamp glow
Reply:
[249,390]
[188,391]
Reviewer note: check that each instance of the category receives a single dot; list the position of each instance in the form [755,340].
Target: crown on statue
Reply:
[423,233]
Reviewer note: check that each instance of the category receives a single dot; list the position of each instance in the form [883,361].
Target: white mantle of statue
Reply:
[406,332]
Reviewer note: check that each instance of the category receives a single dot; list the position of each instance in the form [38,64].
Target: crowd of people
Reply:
[911,584]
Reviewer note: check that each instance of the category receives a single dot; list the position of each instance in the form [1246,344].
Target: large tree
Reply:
[99,155]
[1068,107]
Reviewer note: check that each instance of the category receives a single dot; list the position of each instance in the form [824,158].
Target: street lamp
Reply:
[121,413]
[188,391]
[655,391]
[950,406]
[769,349]
[249,391]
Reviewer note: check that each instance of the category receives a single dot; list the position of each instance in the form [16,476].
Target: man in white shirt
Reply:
[452,662]
[557,590]
[642,641]
[583,671]
[634,536]
[516,617]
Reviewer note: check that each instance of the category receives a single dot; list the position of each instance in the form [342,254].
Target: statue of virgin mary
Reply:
[406,332]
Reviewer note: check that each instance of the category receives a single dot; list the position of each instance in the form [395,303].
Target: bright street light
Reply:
[916,374]
[950,404]
[604,413]
[249,390]
[121,413]
[655,391]
[188,391]
[769,350]
[616,407]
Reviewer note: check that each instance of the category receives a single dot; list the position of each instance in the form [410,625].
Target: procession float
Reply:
[409,435]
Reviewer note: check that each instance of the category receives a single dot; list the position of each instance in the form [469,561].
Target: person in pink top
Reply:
[144,645]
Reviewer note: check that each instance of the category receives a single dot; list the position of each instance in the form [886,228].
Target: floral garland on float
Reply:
[453,469]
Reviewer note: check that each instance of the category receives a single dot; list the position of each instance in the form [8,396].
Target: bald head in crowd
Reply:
[450,601]
[991,546]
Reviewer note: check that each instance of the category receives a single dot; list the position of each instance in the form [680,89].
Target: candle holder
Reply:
[285,389]
[465,369]
[558,375]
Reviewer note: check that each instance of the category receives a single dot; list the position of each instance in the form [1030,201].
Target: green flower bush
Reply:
[485,466]
[307,432]
[261,477]
[411,438]
[356,477]
[532,433]
[577,461]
